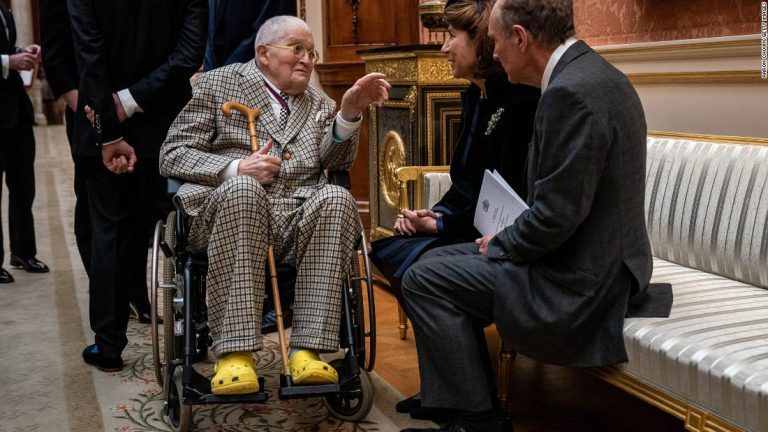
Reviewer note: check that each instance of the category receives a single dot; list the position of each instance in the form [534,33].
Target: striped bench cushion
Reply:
[707,207]
[713,349]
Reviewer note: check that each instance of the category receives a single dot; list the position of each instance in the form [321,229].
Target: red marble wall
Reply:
[608,22]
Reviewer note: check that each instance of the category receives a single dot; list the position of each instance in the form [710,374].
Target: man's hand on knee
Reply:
[261,165]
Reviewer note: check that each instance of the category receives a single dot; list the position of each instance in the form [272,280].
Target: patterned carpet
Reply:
[142,410]
[46,387]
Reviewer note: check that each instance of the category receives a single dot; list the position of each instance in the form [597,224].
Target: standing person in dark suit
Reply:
[17,148]
[134,60]
[61,71]
[232,27]
[559,281]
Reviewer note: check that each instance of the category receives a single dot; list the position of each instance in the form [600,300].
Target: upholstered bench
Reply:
[707,218]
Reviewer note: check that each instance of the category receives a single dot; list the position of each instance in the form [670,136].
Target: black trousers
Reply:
[122,211]
[17,160]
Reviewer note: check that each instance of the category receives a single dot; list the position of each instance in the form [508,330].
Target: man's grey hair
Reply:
[275,28]
[550,22]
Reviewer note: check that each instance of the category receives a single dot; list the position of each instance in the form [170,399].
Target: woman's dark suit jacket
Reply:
[497,140]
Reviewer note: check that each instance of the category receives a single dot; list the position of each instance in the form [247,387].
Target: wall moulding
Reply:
[713,55]
[707,86]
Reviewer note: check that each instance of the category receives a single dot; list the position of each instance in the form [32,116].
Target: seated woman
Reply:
[496,126]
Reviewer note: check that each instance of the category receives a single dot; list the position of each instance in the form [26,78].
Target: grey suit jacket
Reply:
[201,141]
[582,249]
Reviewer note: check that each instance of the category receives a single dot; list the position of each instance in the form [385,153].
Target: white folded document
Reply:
[26,77]
[498,205]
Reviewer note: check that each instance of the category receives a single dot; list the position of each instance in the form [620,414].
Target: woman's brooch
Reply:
[493,121]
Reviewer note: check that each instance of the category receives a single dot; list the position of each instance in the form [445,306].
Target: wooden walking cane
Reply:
[252,114]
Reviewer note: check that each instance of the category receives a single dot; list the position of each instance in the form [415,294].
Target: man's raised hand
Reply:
[372,88]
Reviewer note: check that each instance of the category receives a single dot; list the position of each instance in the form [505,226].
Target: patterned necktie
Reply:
[283,117]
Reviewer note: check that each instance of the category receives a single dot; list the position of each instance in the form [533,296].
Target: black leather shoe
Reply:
[412,406]
[409,404]
[31,265]
[92,356]
[5,277]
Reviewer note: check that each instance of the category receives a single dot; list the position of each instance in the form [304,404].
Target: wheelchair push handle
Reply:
[250,113]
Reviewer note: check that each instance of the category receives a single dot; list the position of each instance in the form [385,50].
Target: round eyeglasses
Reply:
[299,51]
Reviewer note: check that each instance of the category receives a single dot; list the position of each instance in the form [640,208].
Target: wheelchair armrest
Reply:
[173,185]
[340,178]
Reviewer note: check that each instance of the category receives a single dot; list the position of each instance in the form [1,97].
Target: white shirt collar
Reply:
[556,55]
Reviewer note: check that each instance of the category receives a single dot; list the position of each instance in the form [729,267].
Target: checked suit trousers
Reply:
[317,236]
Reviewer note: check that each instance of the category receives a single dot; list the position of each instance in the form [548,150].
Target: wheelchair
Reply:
[186,339]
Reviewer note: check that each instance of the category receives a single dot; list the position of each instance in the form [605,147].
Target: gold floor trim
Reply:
[696,418]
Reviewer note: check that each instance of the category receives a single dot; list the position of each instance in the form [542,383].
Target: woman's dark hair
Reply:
[472,17]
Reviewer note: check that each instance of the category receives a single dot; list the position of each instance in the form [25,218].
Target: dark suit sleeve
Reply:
[58,52]
[572,146]
[95,87]
[185,60]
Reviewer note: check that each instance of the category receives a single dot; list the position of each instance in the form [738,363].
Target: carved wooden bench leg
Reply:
[403,326]
[506,357]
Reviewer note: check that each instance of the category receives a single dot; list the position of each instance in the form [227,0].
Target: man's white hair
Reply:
[275,28]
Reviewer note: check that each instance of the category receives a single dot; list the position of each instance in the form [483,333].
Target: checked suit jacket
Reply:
[313,225]
[202,142]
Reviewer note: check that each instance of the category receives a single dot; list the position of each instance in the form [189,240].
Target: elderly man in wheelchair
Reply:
[245,201]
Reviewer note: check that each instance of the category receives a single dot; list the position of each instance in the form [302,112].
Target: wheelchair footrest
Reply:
[307,391]
[198,392]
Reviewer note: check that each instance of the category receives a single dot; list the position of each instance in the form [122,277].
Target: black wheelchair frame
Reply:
[185,341]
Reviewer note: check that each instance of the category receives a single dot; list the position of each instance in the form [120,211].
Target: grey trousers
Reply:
[449,297]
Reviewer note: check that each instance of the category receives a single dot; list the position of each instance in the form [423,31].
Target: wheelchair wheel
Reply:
[179,414]
[355,399]
[169,280]
[162,243]
[360,276]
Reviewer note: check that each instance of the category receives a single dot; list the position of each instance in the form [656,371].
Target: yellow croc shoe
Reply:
[235,373]
[307,368]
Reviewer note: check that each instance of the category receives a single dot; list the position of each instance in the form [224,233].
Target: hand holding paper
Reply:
[498,205]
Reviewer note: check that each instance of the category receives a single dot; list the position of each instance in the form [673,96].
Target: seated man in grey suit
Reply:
[559,281]
[241,201]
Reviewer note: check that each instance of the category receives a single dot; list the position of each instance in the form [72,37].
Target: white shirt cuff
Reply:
[129,103]
[343,129]
[6,61]
[230,171]
[112,142]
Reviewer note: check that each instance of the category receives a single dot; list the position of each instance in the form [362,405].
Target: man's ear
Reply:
[520,37]
[261,54]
